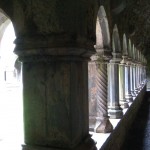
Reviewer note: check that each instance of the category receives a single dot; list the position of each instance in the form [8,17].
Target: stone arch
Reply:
[133,52]
[4,22]
[102,30]
[9,85]
[116,46]
[130,48]
[125,46]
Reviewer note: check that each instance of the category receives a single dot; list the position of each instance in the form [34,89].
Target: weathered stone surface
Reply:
[105,126]
[98,82]
[138,136]
[98,76]
[92,94]
[55,98]
[122,82]
[49,20]
[114,109]
[88,144]
[117,138]
[122,99]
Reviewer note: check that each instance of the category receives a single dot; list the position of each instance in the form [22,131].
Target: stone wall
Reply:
[116,139]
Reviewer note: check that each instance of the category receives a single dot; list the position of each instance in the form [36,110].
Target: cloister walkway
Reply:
[139,134]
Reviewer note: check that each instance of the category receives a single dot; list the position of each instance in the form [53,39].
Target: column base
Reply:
[124,104]
[87,144]
[140,88]
[115,114]
[105,126]
[92,123]
[133,94]
[136,91]
[129,98]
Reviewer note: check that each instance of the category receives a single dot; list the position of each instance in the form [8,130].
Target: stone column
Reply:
[55,103]
[145,63]
[139,66]
[128,78]
[141,70]
[142,75]
[55,42]
[134,71]
[123,76]
[98,84]
[98,79]
[114,109]
[144,71]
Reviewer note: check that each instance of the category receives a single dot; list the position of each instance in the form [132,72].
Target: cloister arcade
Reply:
[114,80]
[76,80]
[126,72]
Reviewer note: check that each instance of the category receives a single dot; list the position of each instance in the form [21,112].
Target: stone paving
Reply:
[11,121]
[11,137]
[139,134]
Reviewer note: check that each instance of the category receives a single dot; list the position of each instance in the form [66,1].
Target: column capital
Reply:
[102,54]
[53,45]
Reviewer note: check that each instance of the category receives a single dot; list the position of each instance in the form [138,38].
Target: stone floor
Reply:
[11,121]
[11,132]
[139,134]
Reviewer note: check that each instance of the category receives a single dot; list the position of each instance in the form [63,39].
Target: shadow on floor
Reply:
[139,134]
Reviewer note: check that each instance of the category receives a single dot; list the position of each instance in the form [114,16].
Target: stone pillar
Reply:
[55,42]
[128,78]
[114,109]
[124,84]
[134,71]
[98,84]
[98,79]
[55,102]
[142,70]
[139,70]
[145,63]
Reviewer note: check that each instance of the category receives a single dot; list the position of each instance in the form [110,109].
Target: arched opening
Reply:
[11,113]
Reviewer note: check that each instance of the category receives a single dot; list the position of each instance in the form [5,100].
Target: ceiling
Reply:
[137,19]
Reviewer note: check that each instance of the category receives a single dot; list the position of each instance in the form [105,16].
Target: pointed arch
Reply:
[116,46]
[133,52]
[4,22]
[130,48]
[102,30]
[125,46]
